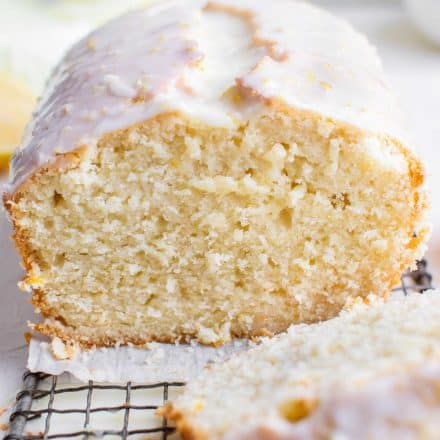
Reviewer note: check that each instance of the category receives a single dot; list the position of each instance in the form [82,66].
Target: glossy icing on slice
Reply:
[400,405]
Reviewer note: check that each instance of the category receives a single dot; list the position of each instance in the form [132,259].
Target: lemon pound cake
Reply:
[371,373]
[213,170]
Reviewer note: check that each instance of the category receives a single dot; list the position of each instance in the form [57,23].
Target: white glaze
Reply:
[186,55]
[402,406]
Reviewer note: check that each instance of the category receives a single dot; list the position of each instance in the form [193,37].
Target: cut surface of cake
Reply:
[213,170]
[371,373]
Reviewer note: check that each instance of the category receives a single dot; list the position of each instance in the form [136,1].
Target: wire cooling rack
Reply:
[40,399]
[38,386]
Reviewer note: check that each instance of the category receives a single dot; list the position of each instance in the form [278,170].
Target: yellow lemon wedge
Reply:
[16,105]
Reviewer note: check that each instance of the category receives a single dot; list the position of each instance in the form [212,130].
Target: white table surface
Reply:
[413,67]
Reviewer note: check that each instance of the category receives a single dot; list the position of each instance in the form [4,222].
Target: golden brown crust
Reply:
[187,430]
[71,335]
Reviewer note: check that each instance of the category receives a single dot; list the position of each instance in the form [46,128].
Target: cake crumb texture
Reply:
[273,222]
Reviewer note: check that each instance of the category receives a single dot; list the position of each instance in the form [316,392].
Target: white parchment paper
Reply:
[157,363]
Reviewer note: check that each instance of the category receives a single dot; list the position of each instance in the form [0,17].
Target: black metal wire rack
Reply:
[38,386]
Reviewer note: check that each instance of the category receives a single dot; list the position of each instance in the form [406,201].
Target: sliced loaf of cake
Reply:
[213,170]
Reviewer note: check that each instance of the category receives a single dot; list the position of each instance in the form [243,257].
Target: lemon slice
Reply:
[16,104]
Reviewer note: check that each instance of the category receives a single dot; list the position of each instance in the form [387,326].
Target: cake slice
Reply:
[213,170]
[371,373]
